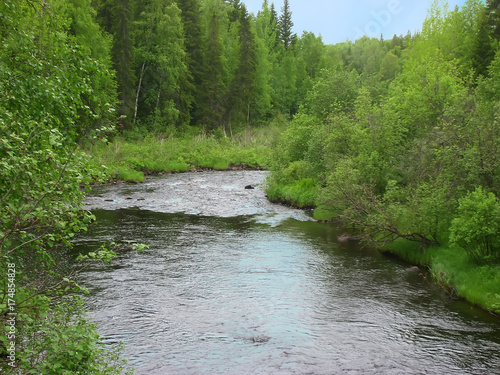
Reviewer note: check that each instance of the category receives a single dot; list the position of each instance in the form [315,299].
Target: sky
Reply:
[339,20]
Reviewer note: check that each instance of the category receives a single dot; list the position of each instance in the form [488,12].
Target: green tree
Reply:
[476,227]
[160,61]
[310,50]
[493,8]
[483,50]
[241,92]
[266,25]
[87,34]
[285,25]
[211,109]
[193,43]
[334,90]
[274,20]
[46,82]
[284,82]
[389,67]
[116,18]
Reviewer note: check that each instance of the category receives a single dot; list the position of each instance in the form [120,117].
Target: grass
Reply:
[452,269]
[478,284]
[128,175]
[130,160]
[301,193]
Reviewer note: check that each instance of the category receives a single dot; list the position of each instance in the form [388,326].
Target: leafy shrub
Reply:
[56,338]
[476,229]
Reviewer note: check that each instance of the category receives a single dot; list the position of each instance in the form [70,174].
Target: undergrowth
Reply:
[129,159]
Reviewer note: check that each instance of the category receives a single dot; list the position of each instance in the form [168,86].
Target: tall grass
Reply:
[301,194]
[478,284]
[129,159]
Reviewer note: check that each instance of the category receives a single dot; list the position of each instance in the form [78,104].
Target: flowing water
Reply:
[233,284]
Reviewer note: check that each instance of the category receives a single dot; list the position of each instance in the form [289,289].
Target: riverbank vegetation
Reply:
[55,86]
[399,140]
[395,138]
[189,150]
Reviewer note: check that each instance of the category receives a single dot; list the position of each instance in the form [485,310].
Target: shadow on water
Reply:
[247,295]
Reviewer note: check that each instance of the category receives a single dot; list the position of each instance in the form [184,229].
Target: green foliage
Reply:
[214,90]
[116,18]
[294,142]
[47,105]
[394,135]
[285,25]
[96,43]
[140,247]
[384,135]
[41,170]
[463,277]
[129,160]
[476,228]
[190,99]
[160,64]
[242,90]
[335,90]
[58,339]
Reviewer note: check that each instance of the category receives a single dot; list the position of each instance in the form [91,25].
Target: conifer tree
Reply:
[115,16]
[213,89]
[483,50]
[160,63]
[190,90]
[266,25]
[234,14]
[493,7]
[274,21]
[242,90]
[285,25]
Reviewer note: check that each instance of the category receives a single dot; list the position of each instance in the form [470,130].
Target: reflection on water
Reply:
[233,295]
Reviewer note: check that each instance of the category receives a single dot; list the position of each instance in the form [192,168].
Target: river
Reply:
[233,284]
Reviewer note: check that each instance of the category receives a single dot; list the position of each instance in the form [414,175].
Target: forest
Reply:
[396,140]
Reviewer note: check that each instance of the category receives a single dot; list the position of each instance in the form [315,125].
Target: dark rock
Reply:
[413,269]
[260,339]
[344,238]
[249,187]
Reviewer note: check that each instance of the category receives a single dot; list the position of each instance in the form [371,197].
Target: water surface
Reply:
[235,285]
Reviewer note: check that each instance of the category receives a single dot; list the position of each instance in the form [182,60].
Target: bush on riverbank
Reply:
[189,149]
[55,92]
[412,160]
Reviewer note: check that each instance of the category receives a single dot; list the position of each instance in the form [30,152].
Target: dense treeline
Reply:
[208,63]
[400,139]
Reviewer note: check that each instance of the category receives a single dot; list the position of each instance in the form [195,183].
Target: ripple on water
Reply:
[247,287]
